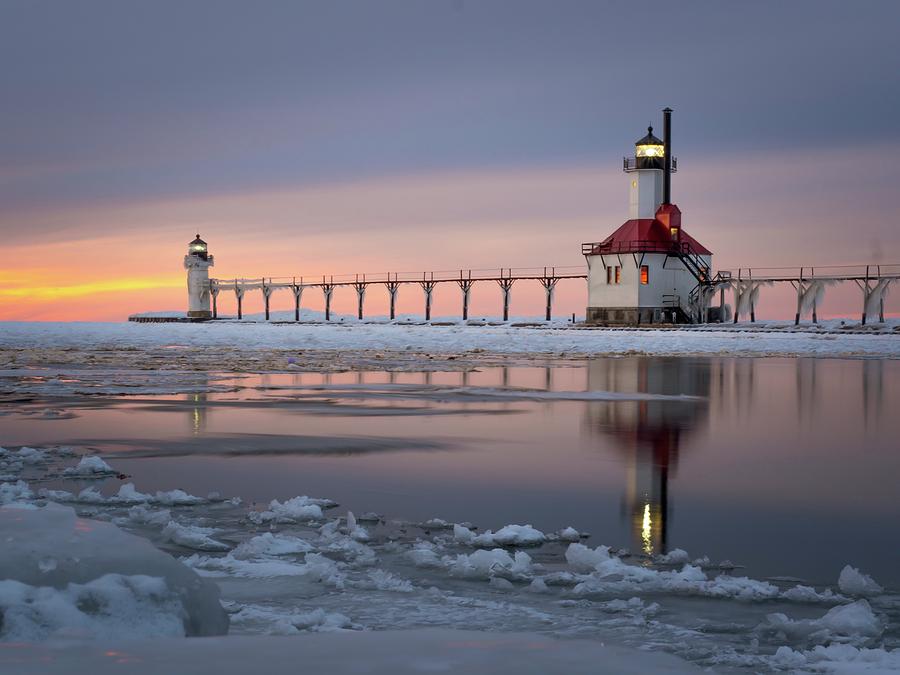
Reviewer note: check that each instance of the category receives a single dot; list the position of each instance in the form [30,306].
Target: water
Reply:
[785,466]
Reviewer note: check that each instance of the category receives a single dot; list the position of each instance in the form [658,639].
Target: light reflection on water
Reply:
[788,466]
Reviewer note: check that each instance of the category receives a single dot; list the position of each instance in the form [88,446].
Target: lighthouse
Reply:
[197,263]
[649,270]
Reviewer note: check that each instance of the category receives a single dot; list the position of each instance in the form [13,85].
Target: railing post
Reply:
[327,290]
[214,292]
[505,286]
[549,284]
[298,292]
[428,288]
[865,296]
[267,293]
[239,295]
[465,285]
[392,288]
[360,287]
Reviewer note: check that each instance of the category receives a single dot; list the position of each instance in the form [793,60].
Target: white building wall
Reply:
[623,294]
[667,277]
[645,193]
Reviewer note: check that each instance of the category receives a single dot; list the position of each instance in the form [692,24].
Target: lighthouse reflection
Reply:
[649,433]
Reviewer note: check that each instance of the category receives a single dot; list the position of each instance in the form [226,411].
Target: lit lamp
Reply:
[649,151]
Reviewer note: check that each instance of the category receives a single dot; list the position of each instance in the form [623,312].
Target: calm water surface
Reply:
[786,466]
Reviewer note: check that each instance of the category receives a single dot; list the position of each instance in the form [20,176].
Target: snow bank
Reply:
[51,547]
[505,339]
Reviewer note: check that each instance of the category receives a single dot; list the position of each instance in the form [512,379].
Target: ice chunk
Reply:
[269,544]
[144,516]
[355,530]
[854,582]
[192,536]
[800,593]
[569,534]
[293,510]
[177,498]
[85,551]
[583,558]
[90,465]
[423,554]
[15,492]
[676,556]
[317,621]
[112,606]
[484,563]
[29,455]
[510,535]
[385,581]
[846,621]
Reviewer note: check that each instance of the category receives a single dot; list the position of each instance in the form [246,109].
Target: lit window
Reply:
[650,151]
[609,275]
[618,274]
[645,275]
[674,232]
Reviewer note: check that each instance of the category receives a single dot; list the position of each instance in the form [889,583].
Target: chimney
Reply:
[667,149]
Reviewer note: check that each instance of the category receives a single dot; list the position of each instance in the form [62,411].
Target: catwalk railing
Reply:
[505,277]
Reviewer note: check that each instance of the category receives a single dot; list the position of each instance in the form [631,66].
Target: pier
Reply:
[744,285]
[504,277]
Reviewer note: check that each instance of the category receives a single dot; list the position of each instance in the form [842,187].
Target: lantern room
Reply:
[198,248]
[649,152]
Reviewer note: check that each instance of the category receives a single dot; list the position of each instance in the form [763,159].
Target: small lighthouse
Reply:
[649,270]
[197,263]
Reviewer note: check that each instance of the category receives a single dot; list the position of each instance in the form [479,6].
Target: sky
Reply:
[309,138]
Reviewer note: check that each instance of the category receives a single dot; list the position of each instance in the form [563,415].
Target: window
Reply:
[618,274]
[609,275]
[645,275]
[674,232]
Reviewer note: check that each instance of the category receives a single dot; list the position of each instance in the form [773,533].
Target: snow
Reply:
[503,339]
[96,560]
[89,465]
[854,582]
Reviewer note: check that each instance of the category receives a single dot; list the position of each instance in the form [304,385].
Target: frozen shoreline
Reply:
[447,340]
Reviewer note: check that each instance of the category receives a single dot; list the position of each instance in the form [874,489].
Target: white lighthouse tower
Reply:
[649,270]
[197,263]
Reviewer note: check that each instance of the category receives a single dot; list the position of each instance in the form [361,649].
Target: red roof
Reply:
[650,235]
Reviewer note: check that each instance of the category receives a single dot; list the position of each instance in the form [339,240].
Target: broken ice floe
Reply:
[89,466]
[67,576]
